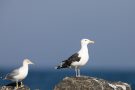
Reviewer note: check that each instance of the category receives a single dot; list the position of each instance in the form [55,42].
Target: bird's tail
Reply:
[58,67]
[62,65]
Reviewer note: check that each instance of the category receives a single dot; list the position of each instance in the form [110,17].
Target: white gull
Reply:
[20,73]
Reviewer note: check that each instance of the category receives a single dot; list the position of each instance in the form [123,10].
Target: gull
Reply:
[78,59]
[17,75]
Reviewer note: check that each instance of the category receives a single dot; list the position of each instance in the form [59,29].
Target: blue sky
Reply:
[49,31]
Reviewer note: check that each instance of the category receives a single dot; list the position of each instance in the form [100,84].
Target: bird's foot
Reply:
[22,86]
[78,76]
[16,88]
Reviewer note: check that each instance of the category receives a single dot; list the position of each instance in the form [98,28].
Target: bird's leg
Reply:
[22,84]
[17,85]
[76,71]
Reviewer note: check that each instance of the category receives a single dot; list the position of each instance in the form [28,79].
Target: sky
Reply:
[49,31]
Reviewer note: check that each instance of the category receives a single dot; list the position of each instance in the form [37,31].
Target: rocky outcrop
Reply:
[90,83]
[11,86]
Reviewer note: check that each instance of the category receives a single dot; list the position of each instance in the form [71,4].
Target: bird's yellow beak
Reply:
[91,41]
[31,63]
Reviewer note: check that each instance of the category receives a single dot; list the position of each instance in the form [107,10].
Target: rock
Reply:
[11,86]
[90,83]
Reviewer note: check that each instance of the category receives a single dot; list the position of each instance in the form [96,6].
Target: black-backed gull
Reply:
[78,59]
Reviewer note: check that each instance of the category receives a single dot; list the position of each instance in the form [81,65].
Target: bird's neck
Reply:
[84,48]
[25,65]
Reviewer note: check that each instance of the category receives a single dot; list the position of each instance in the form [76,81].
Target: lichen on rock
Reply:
[90,83]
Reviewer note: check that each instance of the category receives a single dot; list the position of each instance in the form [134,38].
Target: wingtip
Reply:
[58,67]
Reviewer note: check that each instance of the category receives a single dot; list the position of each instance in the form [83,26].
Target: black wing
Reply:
[67,63]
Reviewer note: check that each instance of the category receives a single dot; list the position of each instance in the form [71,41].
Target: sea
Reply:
[47,79]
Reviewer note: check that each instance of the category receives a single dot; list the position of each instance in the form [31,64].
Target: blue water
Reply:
[47,79]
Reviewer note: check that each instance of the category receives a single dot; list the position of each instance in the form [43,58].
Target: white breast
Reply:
[23,72]
[84,58]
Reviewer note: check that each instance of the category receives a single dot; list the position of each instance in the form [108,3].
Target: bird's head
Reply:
[27,61]
[86,41]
